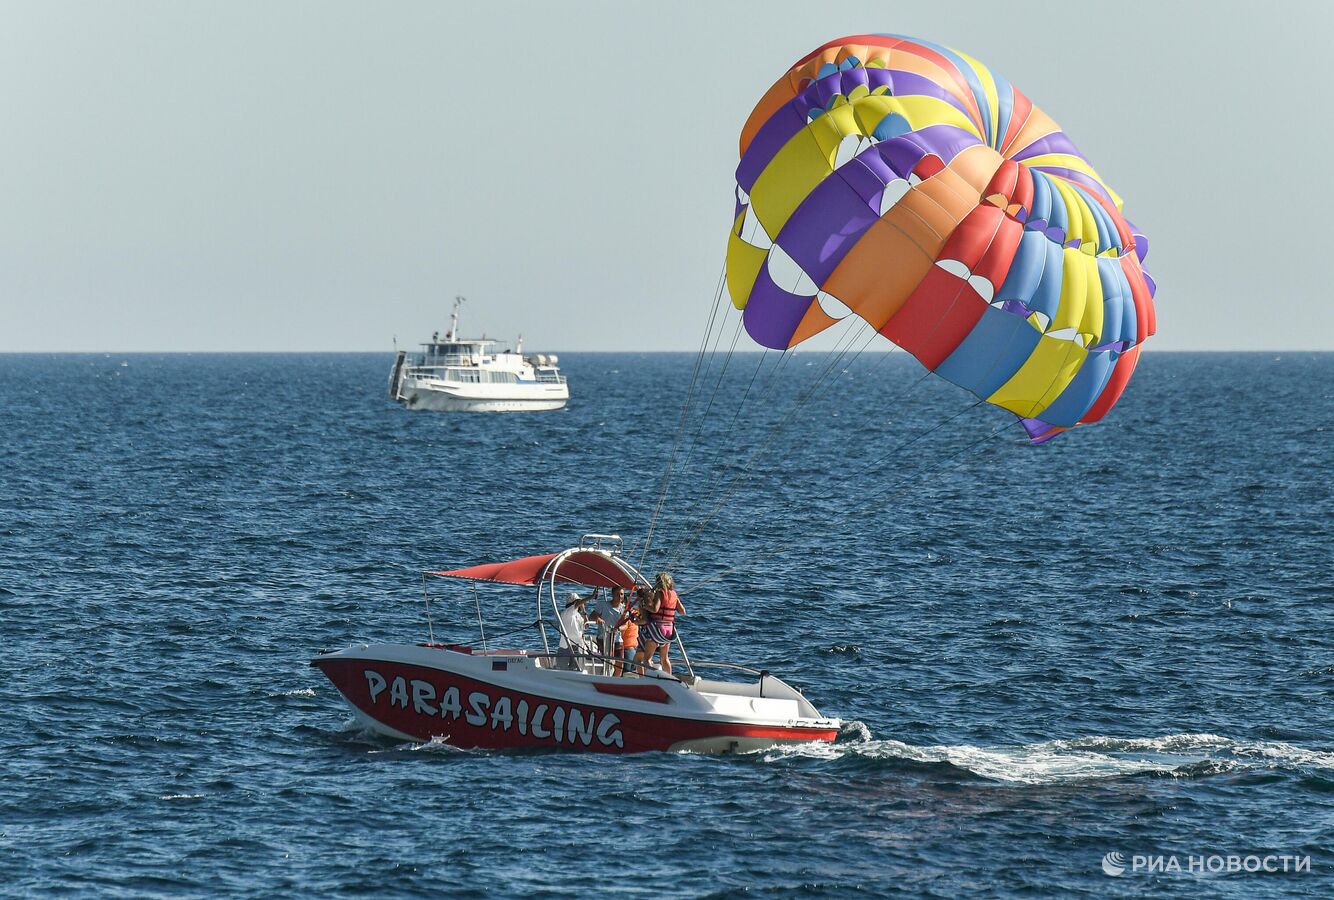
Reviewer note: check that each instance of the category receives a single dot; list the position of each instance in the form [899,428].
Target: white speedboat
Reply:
[465,375]
[483,696]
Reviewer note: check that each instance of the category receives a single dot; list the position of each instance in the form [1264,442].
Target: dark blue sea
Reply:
[1120,642]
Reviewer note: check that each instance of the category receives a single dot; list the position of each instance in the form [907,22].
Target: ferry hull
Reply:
[409,701]
[442,401]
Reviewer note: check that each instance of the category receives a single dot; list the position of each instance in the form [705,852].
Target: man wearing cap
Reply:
[572,623]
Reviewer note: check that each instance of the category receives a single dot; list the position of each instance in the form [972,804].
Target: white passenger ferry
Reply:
[456,374]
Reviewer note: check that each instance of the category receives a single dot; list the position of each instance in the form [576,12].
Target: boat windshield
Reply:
[455,353]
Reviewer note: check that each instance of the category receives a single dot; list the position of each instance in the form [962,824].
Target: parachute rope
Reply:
[719,484]
[895,489]
[685,410]
[903,445]
[958,457]
[733,445]
[756,429]
[773,433]
[896,451]
[803,398]
[694,438]
[720,488]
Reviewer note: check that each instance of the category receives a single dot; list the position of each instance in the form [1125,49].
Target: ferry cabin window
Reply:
[449,349]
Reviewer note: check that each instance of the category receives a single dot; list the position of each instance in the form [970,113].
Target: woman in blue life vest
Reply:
[657,633]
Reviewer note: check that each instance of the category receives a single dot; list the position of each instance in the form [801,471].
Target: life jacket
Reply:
[667,605]
[630,633]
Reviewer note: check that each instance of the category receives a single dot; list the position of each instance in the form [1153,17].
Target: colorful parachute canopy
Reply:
[907,183]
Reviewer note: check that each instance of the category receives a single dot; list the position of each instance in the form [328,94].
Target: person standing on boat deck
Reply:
[572,624]
[607,611]
[628,639]
[657,634]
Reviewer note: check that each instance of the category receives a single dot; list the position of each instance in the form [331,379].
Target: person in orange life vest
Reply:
[635,618]
[658,632]
[629,643]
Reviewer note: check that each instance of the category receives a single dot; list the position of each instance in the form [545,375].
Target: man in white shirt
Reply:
[572,623]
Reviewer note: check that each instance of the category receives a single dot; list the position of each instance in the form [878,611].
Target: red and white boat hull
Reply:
[508,699]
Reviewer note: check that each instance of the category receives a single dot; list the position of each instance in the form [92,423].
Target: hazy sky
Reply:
[325,176]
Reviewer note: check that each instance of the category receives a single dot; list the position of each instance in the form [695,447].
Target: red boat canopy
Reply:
[580,567]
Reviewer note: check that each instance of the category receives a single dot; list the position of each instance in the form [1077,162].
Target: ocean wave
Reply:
[1078,759]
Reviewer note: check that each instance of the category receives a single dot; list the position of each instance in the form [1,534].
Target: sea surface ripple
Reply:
[1117,642]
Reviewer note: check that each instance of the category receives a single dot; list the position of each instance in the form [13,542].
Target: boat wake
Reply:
[434,745]
[1079,759]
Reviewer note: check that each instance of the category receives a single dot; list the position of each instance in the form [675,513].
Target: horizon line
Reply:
[1147,350]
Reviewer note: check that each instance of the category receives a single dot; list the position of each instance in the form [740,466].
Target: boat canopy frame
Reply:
[596,562]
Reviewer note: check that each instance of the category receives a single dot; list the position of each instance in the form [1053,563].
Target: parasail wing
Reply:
[908,184]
